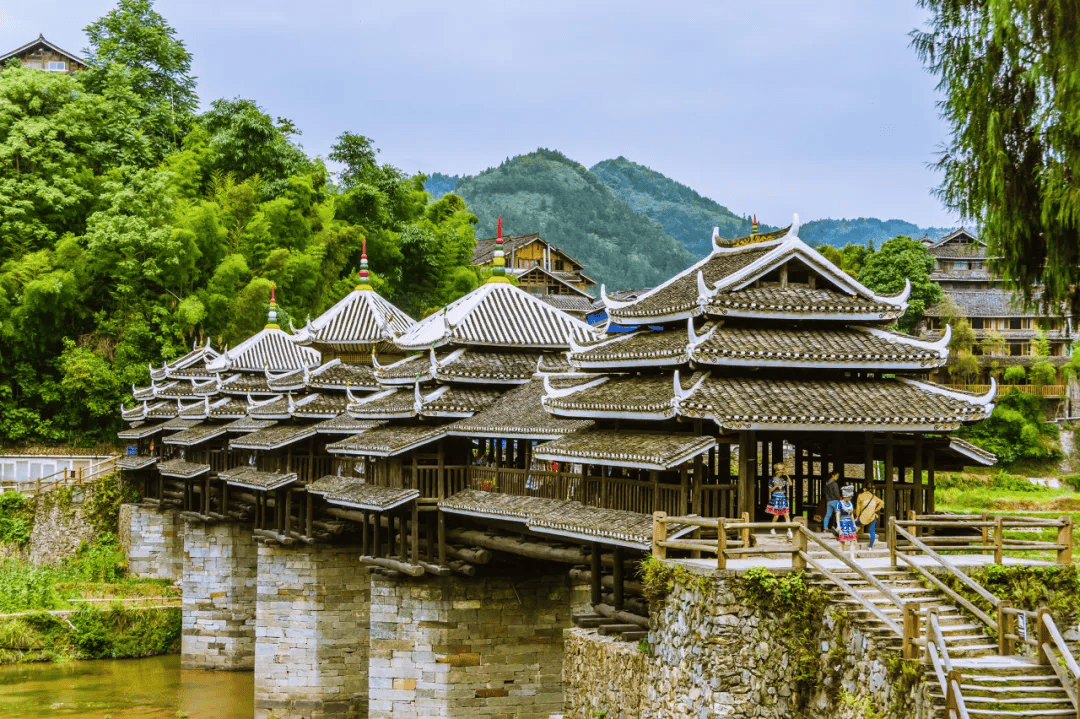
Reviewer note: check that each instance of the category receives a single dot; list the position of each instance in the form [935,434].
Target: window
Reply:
[1019,350]
[1016,323]
[36,64]
[57,66]
[976,323]
[960,265]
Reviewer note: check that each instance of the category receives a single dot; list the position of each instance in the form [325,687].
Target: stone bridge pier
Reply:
[311,633]
[153,540]
[220,565]
[468,646]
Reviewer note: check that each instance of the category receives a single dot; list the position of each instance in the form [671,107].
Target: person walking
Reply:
[779,505]
[845,518]
[867,507]
[832,497]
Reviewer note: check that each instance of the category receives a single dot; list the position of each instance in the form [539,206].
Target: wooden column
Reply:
[747,470]
[403,539]
[617,584]
[596,568]
[441,472]
[890,488]
[799,480]
[442,538]
[365,548]
[288,511]
[309,514]
[684,489]
[918,502]
[930,506]
[722,475]
[695,496]
[415,532]
[839,452]
[376,536]
[868,459]
[654,478]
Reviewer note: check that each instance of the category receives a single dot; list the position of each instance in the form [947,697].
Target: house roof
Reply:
[960,244]
[182,469]
[479,367]
[249,424]
[252,479]
[139,430]
[362,317]
[44,43]
[562,278]
[992,302]
[569,303]
[193,364]
[132,462]
[800,303]
[273,437]
[517,414]
[485,248]
[349,492]
[344,424]
[387,441]
[196,435]
[496,315]
[270,348]
[642,450]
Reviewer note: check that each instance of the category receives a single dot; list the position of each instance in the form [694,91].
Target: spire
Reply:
[365,282]
[753,227]
[271,316]
[498,270]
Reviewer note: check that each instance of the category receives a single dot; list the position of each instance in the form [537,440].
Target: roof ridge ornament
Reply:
[550,391]
[793,231]
[498,263]
[983,400]
[348,392]
[418,400]
[681,394]
[271,315]
[610,303]
[693,339]
[365,281]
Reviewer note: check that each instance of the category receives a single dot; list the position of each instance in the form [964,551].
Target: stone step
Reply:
[1017,691]
[1024,702]
[606,629]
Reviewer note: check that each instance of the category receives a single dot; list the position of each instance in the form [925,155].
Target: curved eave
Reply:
[457,379]
[853,425]
[171,440]
[457,414]
[767,313]
[669,361]
[646,319]
[401,414]
[405,381]
[787,362]
[286,479]
[496,433]
[590,413]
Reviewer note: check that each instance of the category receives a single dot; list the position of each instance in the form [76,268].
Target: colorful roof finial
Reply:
[753,227]
[271,316]
[498,270]
[365,282]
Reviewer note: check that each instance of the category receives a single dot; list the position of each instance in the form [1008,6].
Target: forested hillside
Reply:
[861,230]
[546,192]
[131,227]
[683,213]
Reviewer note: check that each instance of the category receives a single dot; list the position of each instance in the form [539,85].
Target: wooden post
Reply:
[745,530]
[721,544]
[868,459]
[617,576]
[596,568]
[310,515]
[930,503]
[659,534]
[684,489]
[1006,625]
[441,471]
[800,499]
[985,529]
[403,544]
[288,511]
[1064,538]
[798,561]
[442,538]
[918,503]
[911,630]
[376,536]
[747,471]
[695,496]
[891,537]
[415,534]
[1044,636]
[890,488]
[999,538]
[953,679]
[654,477]
[224,497]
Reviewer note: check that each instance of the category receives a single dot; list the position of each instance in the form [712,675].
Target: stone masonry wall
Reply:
[311,646]
[153,541]
[220,565]
[711,655]
[467,647]
[60,527]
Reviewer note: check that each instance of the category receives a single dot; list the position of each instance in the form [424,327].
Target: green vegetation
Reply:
[1010,74]
[547,192]
[898,260]
[16,518]
[681,212]
[131,227]
[1016,429]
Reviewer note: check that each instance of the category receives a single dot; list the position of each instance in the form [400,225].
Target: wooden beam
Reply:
[522,547]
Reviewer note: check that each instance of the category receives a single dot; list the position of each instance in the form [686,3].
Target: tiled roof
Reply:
[993,302]
[334,375]
[554,362]
[569,303]
[846,347]
[350,492]
[472,366]
[979,275]
[977,455]
[281,407]
[518,413]
[163,410]
[796,301]
[558,279]
[344,424]
[494,315]
[131,462]
[387,441]
[388,404]
[244,383]
[634,348]
[324,406]
[194,360]
[196,435]
[450,401]
[627,397]
[643,450]
[178,424]
[172,390]
[138,430]
[363,317]
[416,368]
[749,239]
[252,479]
[953,245]
[232,408]
[273,437]
[855,405]
[249,424]
[572,520]
[268,349]
[182,468]
[680,294]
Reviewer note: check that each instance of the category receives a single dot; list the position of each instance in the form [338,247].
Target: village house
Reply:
[41,54]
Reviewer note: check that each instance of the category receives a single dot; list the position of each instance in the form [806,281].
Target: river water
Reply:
[154,688]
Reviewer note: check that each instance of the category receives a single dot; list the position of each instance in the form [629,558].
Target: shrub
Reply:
[16,518]
[1016,429]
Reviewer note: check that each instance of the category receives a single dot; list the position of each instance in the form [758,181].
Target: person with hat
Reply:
[779,486]
[845,512]
[867,507]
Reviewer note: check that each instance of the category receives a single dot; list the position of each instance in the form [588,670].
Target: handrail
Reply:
[982,543]
[949,678]
[866,603]
[949,567]
[1049,630]
[854,566]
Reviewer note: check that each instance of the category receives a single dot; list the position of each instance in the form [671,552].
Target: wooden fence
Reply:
[63,478]
[1044,390]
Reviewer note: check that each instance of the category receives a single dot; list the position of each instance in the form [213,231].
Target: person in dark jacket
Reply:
[832,496]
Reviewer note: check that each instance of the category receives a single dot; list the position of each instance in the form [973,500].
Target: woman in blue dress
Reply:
[846,513]
[778,495]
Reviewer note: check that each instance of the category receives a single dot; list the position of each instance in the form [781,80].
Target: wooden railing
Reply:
[308,469]
[1045,390]
[1050,645]
[527,482]
[950,680]
[63,478]
[984,534]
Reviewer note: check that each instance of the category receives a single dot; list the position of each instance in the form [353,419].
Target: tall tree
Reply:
[900,259]
[1010,72]
[135,41]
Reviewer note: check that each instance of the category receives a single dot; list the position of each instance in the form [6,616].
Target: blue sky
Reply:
[819,108]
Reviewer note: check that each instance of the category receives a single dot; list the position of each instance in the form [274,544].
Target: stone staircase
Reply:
[993,686]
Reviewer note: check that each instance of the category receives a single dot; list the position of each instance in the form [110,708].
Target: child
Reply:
[778,496]
[846,516]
